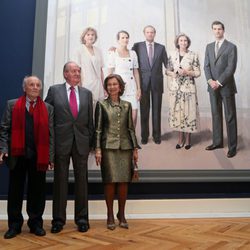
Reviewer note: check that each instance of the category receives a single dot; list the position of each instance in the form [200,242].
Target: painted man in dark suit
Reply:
[27,144]
[73,122]
[151,56]
[219,67]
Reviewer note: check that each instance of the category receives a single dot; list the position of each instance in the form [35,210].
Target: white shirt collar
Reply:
[220,41]
[68,87]
[28,99]
[147,43]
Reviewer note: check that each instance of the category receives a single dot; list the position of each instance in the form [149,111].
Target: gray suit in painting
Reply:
[151,82]
[73,138]
[222,69]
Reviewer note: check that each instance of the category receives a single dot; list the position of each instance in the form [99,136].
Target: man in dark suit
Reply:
[73,122]
[27,143]
[151,57]
[219,67]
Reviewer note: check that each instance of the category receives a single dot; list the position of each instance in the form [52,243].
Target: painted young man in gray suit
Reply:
[219,67]
[151,57]
[73,124]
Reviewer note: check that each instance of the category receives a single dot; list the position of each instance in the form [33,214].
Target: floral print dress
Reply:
[183,103]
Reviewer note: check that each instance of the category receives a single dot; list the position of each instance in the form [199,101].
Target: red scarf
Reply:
[41,131]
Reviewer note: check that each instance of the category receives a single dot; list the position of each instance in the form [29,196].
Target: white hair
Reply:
[25,79]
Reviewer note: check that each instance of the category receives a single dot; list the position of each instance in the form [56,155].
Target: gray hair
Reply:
[149,26]
[65,67]
[25,80]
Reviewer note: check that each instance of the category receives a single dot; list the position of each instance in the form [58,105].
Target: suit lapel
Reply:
[212,52]
[145,53]
[221,50]
[81,98]
[156,51]
[64,97]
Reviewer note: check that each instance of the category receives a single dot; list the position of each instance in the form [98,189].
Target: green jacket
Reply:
[114,127]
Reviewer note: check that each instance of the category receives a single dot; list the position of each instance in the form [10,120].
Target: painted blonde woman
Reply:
[90,59]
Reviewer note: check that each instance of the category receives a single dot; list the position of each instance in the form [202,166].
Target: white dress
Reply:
[91,66]
[124,66]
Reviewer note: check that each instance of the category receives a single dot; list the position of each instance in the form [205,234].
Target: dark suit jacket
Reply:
[114,126]
[151,75]
[67,128]
[221,68]
[5,133]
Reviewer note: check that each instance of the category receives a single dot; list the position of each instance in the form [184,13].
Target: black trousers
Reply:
[156,114]
[60,187]
[216,101]
[35,194]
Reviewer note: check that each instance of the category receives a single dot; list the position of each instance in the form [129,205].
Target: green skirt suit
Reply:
[115,136]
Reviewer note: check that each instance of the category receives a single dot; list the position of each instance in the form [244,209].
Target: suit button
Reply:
[118,135]
[118,114]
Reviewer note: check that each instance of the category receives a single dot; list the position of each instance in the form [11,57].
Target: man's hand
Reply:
[112,49]
[2,156]
[138,94]
[51,166]
[98,157]
[214,85]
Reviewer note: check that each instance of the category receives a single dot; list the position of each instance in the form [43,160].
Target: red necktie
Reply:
[31,108]
[73,102]
[150,54]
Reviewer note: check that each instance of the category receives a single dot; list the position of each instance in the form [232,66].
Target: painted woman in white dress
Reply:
[183,68]
[124,62]
[90,59]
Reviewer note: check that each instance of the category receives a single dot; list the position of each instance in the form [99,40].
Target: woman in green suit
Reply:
[116,147]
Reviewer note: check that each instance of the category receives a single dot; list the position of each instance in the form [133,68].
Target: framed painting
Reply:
[58,28]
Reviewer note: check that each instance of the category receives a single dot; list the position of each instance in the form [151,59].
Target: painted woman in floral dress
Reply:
[183,68]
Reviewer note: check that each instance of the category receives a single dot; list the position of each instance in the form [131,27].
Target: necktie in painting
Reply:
[216,48]
[150,54]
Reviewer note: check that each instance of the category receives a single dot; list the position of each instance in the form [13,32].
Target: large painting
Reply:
[66,19]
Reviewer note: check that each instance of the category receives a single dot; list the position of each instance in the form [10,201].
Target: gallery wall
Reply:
[16,49]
